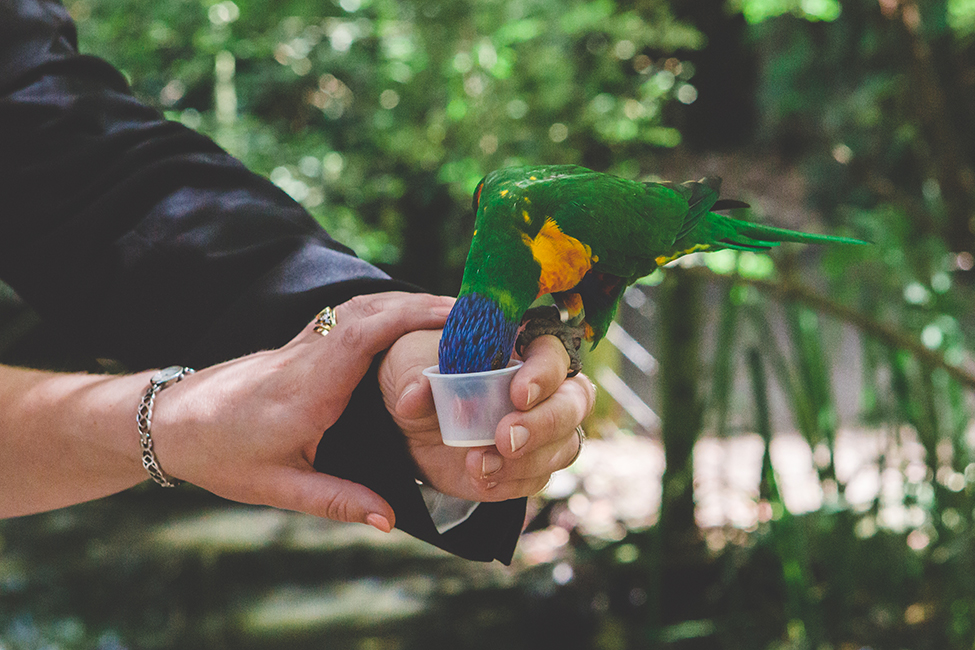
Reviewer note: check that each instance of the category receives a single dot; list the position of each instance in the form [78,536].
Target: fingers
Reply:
[532,445]
[380,319]
[367,325]
[495,478]
[546,363]
[550,421]
[371,323]
[329,497]
[364,326]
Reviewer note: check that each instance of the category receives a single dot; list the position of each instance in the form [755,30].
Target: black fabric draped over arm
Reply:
[158,248]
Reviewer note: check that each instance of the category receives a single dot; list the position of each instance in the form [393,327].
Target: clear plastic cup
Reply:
[470,405]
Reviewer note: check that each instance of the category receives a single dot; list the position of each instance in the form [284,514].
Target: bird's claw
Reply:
[546,319]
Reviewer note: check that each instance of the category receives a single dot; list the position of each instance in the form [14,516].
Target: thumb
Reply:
[415,401]
[401,378]
[329,497]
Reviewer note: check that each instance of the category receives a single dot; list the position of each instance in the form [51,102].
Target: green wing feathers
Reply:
[705,230]
[700,196]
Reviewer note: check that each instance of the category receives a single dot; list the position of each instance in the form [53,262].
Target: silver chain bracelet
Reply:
[162,379]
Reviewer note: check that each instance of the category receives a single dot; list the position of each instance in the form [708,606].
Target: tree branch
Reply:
[886,334]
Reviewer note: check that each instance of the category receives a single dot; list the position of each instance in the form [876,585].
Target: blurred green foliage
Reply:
[380,117]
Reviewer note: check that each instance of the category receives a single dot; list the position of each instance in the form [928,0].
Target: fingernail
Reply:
[378,522]
[406,391]
[490,463]
[442,311]
[519,436]
[533,391]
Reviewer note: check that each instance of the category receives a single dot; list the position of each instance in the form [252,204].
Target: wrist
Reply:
[158,382]
[68,438]
[106,438]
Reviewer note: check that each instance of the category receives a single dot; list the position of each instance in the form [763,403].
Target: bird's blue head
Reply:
[476,337]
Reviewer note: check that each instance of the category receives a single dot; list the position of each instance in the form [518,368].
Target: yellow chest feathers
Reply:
[564,259]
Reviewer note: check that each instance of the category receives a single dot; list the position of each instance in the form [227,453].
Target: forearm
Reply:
[66,438]
[165,250]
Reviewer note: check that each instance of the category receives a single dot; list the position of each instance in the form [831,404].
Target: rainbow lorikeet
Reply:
[583,237]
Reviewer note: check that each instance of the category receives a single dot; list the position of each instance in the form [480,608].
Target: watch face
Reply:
[167,374]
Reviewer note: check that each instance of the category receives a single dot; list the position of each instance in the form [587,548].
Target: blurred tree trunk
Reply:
[937,86]
[724,115]
[681,553]
[681,401]
[425,206]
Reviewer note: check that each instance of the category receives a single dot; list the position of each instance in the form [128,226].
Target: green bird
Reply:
[583,237]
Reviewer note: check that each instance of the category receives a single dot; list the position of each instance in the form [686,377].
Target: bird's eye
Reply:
[477,195]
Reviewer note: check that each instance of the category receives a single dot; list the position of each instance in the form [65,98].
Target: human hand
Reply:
[249,429]
[531,443]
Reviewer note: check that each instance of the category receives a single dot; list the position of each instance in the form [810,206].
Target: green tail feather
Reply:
[743,235]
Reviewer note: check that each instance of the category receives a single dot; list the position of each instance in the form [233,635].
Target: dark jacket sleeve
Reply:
[153,246]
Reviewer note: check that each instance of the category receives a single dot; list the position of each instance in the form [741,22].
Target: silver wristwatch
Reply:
[162,379]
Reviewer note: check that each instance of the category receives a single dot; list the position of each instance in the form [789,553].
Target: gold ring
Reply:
[582,438]
[325,321]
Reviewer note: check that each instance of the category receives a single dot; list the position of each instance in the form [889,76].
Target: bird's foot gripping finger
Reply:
[539,321]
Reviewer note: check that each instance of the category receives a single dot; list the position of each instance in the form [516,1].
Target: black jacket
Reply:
[157,247]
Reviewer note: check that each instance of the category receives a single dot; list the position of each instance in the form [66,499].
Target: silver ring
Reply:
[325,321]
[582,438]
